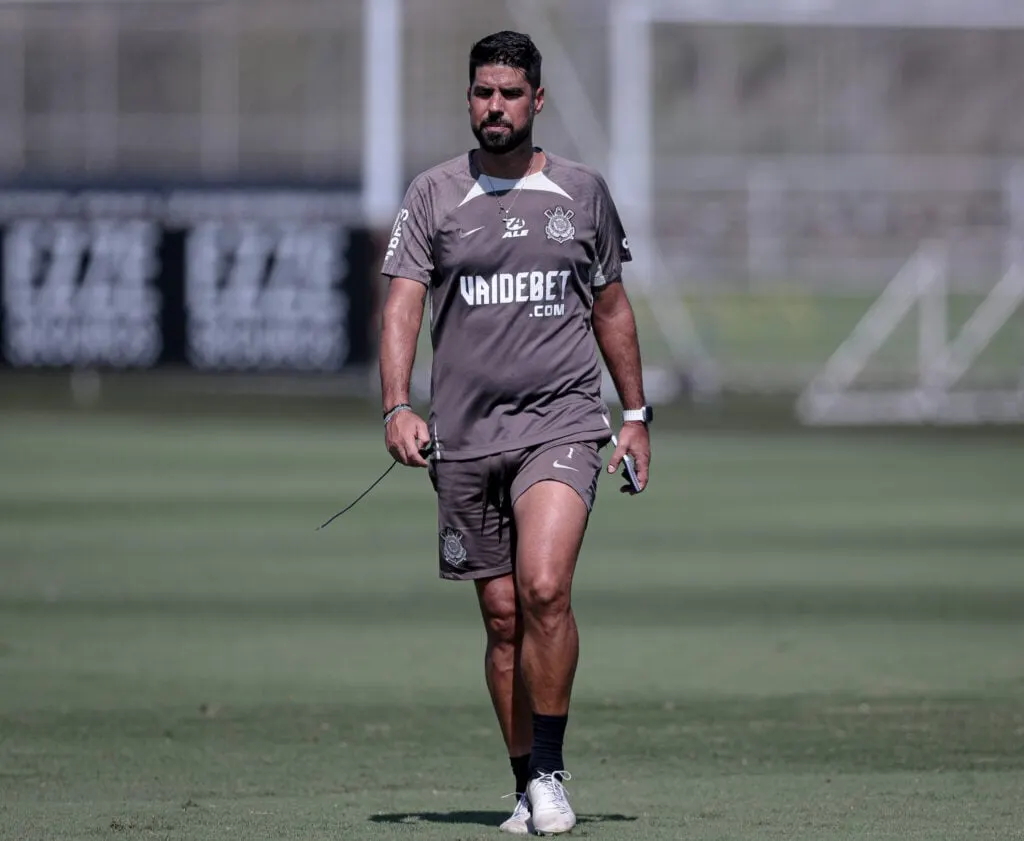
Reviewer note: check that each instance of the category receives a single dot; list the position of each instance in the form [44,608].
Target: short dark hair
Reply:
[512,49]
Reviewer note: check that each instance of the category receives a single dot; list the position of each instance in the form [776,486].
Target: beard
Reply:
[501,142]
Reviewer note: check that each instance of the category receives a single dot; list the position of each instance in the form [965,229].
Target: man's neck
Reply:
[514,164]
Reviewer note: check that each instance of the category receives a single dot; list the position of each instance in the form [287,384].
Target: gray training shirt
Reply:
[515,361]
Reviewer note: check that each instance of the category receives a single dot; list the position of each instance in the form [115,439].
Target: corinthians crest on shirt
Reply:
[560,227]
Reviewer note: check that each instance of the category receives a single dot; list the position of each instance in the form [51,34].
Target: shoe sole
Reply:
[553,831]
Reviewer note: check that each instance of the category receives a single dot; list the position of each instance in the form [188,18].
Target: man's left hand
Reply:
[635,440]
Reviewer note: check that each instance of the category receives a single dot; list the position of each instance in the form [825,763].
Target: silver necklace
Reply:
[522,183]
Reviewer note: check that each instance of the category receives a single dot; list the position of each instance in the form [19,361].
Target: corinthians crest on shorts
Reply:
[560,227]
[452,550]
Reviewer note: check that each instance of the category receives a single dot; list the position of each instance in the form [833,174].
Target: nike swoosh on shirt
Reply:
[464,234]
[563,466]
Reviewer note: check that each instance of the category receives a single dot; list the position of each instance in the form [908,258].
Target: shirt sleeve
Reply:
[410,248]
[612,244]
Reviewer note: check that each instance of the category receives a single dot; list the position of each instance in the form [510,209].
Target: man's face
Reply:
[501,108]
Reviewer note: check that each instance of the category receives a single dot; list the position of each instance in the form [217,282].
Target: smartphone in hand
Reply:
[629,469]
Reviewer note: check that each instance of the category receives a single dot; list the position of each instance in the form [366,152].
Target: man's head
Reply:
[504,91]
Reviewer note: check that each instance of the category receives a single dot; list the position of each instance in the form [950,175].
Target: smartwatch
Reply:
[645,414]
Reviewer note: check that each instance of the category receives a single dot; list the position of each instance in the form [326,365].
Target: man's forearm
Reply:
[400,330]
[615,331]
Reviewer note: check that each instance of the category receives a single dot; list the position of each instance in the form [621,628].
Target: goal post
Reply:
[833,397]
[620,146]
[943,383]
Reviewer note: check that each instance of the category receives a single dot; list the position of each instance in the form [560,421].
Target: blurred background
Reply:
[796,178]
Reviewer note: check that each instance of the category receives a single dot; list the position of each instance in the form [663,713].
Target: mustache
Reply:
[497,124]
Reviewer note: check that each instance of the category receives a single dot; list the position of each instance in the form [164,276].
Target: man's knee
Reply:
[502,628]
[498,606]
[545,595]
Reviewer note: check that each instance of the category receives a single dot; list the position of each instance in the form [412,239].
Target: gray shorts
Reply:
[476,529]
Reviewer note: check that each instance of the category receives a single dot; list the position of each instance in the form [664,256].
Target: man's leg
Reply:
[499,608]
[476,537]
[551,519]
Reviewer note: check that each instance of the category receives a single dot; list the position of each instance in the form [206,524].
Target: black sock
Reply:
[548,735]
[521,768]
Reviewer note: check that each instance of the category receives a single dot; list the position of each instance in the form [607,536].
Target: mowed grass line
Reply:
[769,769]
[808,636]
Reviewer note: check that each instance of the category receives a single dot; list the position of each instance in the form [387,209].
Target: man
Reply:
[520,252]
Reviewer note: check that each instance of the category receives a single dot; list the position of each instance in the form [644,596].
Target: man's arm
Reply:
[615,331]
[402,317]
[400,330]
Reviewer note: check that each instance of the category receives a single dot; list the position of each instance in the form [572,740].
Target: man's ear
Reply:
[538,100]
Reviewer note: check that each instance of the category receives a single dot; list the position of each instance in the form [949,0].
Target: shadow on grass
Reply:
[492,819]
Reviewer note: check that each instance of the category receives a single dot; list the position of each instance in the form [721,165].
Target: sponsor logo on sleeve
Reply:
[396,234]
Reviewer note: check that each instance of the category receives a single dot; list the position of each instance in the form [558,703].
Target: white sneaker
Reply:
[519,821]
[549,806]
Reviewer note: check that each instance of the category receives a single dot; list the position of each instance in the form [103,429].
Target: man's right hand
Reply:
[405,435]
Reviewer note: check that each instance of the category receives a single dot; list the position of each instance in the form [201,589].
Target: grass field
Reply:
[789,636]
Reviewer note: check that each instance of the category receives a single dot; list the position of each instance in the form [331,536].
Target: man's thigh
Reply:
[476,534]
[553,494]
[577,465]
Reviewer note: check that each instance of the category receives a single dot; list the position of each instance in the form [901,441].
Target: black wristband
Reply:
[394,410]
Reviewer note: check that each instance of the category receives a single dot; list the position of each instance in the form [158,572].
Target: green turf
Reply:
[790,636]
